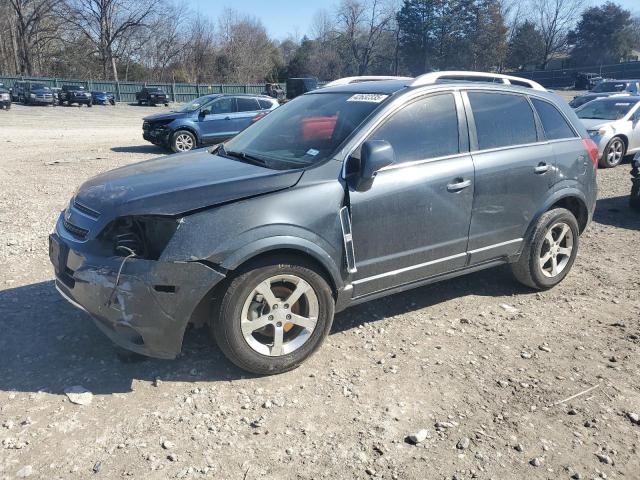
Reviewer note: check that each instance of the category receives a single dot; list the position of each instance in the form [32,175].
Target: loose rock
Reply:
[79,395]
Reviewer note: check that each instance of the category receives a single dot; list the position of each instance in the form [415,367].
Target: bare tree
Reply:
[248,52]
[34,27]
[554,19]
[107,24]
[363,23]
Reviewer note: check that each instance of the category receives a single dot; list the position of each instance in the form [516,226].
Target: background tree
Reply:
[35,26]
[108,25]
[526,47]
[604,35]
[554,19]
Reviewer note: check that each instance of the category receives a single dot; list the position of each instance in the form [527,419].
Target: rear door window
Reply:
[554,124]
[502,120]
[247,104]
[426,128]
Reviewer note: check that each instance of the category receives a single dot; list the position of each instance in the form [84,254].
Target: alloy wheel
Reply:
[556,250]
[279,315]
[615,152]
[184,142]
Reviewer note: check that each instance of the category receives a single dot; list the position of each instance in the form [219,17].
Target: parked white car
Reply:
[614,124]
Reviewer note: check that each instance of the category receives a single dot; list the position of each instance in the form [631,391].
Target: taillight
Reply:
[592,148]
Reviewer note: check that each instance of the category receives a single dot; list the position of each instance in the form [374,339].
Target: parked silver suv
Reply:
[341,196]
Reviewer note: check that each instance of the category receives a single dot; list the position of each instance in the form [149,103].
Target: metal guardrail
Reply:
[126,91]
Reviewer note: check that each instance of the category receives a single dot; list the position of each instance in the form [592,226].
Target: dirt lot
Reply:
[476,361]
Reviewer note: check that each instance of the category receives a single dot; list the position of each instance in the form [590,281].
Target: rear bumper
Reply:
[148,310]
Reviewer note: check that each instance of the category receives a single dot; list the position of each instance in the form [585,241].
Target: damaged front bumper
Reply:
[149,308]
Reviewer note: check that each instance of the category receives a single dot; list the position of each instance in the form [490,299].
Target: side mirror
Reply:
[203,113]
[374,156]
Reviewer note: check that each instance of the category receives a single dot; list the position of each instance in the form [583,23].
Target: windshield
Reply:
[194,105]
[606,109]
[305,131]
[609,87]
[39,86]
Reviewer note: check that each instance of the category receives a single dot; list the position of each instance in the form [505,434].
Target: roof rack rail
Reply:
[431,78]
[364,78]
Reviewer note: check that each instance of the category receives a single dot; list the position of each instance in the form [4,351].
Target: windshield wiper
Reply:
[242,156]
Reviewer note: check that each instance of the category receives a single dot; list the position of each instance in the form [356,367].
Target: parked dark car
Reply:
[607,88]
[17,91]
[37,94]
[5,98]
[634,199]
[300,86]
[152,96]
[205,120]
[343,195]
[103,98]
[71,94]
[586,81]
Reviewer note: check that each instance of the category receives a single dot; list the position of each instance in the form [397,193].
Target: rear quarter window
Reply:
[502,120]
[553,122]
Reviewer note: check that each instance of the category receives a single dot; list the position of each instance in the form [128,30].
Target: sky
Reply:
[293,17]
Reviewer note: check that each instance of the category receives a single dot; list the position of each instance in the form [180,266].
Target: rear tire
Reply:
[613,153]
[550,251]
[286,334]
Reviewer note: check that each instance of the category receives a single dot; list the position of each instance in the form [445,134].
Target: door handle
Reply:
[541,168]
[459,185]
[227,118]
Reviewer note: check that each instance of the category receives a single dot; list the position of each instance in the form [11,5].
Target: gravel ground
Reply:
[474,367]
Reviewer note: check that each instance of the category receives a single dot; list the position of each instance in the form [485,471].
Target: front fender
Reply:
[287,242]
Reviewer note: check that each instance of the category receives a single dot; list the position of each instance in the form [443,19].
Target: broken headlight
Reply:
[146,236]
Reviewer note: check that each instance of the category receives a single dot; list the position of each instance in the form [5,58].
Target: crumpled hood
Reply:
[164,116]
[180,183]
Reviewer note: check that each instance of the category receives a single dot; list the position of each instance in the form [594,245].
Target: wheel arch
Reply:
[207,307]
[189,129]
[571,199]
[293,246]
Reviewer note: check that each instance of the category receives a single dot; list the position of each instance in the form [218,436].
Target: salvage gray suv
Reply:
[344,195]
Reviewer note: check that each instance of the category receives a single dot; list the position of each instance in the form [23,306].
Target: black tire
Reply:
[175,141]
[139,102]
[90,104]
[613,153]
[226,326]
[634,199]
[527,269]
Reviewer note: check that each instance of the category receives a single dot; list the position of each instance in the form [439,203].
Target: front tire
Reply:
[613,154]
[549,252]
[183,141]
[273,316]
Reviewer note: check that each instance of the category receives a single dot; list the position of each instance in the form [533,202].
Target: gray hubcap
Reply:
[556,250]
[279,315]
[614,153]
[184,142]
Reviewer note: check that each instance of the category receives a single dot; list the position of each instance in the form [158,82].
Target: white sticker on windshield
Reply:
[622,104]
[368,97]
[313,152]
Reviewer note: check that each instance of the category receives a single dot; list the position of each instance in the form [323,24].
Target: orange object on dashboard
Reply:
[318,128]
